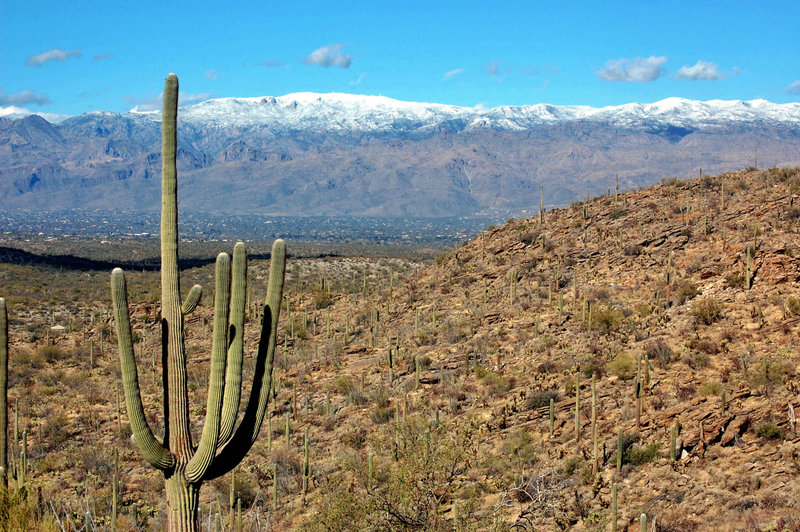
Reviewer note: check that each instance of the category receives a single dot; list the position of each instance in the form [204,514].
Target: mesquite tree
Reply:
[223,444]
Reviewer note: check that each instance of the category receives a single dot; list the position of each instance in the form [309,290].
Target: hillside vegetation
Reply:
[425,391]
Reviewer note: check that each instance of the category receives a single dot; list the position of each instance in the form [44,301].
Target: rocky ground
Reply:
[689,288]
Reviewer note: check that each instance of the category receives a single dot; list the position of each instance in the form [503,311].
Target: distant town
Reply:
[372,230]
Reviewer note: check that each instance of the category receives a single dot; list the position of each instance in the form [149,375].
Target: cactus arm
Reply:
[207,447]
[192,299]
[233,372]
[247,432]
[152,450]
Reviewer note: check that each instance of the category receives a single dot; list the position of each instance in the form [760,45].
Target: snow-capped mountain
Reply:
[357,113]
[343,154]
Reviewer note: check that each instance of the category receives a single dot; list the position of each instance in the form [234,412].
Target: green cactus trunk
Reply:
[187,465]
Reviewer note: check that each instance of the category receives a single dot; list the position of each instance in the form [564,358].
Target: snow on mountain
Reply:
[344,113]
[348,112]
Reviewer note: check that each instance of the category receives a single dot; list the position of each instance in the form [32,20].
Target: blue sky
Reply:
[73,57]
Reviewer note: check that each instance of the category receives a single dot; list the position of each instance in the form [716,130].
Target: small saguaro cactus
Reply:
[185,464]
[614,504]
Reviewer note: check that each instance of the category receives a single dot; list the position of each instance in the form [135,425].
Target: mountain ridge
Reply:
[385,109]
[333,154]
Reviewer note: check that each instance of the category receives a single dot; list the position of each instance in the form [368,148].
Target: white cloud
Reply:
[23,98]
[271,63]
[144,104]
[14,112]
[359,80]
[641,69]
[794,88]
[701,70]
[211,74]
[329,56]
[453,73]
[103,57]
[52,55]
[493,68]
[187,99]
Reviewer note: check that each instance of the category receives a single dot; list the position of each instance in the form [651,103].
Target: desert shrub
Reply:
[707,182]
[544,343]
[322,298]
[425,362]
[704,345]
[770,431]
[782,174]
[696,359]
[425,474]
[548,366]
[606,319]
[686,291]
[632,249]
[638,455]
[659,352]
[340,511]
[572,464]
[686,392]
[519,448]
[734,280]
[617,213]
[18,511]
[623,366]
[343,384]
[529,237]
[357,397]
[541,398]
[792,306]
[706,310]
[594,367]
[380,414]
[769,373]
[49,353]
[497,384]
[354,436]
[710,387]
[54,430]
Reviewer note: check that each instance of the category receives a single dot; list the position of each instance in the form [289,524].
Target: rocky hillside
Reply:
[678,304]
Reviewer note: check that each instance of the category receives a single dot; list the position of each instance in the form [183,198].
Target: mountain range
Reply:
[342,154]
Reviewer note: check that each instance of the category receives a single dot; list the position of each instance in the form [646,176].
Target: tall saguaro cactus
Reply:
[3,393]
[223,444]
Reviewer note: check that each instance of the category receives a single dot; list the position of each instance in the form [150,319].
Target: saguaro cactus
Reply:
[3,393]
[187,465]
